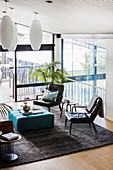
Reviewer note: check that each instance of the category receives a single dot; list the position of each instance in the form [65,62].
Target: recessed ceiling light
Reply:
[49,1]
[4,12]
[6,0]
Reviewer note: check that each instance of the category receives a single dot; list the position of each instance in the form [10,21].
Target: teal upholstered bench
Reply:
[31,122]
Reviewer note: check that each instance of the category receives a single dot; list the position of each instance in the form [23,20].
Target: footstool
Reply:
[31,122]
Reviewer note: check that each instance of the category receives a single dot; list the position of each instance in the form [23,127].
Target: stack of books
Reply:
[34,112]
[10,136]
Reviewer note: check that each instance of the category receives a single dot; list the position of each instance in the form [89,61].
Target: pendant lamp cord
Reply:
[6,7]
[35,14]
[11,8]
[6,1]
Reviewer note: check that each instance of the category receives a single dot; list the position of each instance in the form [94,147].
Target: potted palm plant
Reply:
[50,71]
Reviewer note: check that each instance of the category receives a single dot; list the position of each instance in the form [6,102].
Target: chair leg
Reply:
[65,121]
[89,124]
[94,127]
[70,127]
[61,108]
[49,109]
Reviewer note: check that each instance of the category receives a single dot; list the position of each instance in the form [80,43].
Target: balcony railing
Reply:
[82,93]
[73,90]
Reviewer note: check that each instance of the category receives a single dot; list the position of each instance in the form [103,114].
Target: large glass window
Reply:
[85,60]
[29,60]
[25,62]
[78,58]
[101,60]
[23,35]
[6,65]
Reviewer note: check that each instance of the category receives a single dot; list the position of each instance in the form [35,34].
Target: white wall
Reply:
[109,80]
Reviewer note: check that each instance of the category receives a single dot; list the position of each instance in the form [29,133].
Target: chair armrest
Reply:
[81,106]
[41,94]
[77,106]
[80,112]
[56,98]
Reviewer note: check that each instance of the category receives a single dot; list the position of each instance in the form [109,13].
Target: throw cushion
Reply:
[49,95]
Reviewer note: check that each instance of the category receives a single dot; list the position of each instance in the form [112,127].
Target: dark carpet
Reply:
[48,143]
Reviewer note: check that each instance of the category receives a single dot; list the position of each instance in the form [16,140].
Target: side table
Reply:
[9,156]
[71,105]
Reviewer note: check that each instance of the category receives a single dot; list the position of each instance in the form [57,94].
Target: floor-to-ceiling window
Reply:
[85,61]
[27,60]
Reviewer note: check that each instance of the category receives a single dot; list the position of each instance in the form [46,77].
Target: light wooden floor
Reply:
[95,159]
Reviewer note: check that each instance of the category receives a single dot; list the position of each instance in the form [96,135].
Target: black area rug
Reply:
[47,143]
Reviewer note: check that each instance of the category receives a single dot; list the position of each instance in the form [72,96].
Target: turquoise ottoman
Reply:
[32,122]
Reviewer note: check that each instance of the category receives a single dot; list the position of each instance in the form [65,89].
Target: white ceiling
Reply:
[64,16]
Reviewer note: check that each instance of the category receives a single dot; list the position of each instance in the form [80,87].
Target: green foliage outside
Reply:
[50,71]
[101,67]
[88,64]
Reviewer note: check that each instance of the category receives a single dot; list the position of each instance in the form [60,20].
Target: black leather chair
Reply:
[47,103]
[86,115]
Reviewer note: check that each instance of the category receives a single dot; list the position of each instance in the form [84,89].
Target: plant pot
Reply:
[26,108]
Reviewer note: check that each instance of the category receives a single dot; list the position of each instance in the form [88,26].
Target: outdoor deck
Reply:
[5,93]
